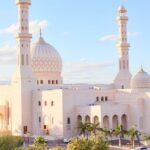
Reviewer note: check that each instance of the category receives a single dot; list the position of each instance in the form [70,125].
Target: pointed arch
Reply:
[124,121]
[96,120]
[87,119]
[106,122]
[114,121]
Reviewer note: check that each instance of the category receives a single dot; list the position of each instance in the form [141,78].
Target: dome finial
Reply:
[142,70]
[40,32]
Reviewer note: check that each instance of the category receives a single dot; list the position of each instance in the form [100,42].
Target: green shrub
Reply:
[10,142]
[57,148]
[39,141]
[92,143]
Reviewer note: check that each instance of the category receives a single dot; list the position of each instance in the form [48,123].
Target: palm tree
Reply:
[83,128]
[132,133]
[107,133]
[92,127]
[119,132]
[146,138]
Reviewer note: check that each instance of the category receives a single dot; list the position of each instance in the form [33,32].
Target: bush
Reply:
[10,142]
[39,141]
[57,148]
[92,143]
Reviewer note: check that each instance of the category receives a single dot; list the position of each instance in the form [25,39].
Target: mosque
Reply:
[38,102]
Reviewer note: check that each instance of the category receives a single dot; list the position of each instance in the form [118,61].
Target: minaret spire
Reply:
[123,78]
[40,32]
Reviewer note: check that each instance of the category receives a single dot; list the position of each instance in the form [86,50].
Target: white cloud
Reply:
[84,71]
[35,26]
[7,54]
[7,51]
[114,37]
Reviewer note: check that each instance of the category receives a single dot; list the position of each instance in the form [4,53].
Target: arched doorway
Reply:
[79,120]
[46,125]
[124,121]
[96,120]
[115,121]
[87,119]
[106,122]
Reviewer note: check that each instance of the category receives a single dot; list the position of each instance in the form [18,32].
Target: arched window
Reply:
[87,119]
[124,65]
[79,119]
[97,98]
[27,60]
[68,120]
[49,81]
[52,103]
[52,81]
[39,119]
[22,59]
[115,121]
[41,81]
[106,122]
[45,103]
[127,64]
[39,103]
[102,98]
[106,98]
[124,121]
[122,87]
[120,64]
[56,81]
[96,120]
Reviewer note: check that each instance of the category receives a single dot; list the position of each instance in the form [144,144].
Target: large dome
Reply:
[141,80]
[45,58]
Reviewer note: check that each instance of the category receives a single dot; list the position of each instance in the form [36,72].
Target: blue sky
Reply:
[82,31]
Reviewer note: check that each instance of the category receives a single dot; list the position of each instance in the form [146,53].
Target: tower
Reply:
[23,80]
[123,78]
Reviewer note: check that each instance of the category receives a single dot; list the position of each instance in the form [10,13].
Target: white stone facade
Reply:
[38,102]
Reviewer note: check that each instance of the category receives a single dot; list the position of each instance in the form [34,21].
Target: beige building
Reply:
[38,102]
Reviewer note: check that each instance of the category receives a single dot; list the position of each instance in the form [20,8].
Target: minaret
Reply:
[23,81]
[23,37]
[123,78]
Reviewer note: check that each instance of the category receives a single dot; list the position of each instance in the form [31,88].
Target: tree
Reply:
[132,133]
[92,128]
[107,133]
[83,128]
[57,148]
[119,132]
[39,143]
[10,142]
[147,137]
[92,143]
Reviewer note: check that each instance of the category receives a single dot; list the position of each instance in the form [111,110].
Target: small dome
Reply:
[45,58]
[141,80]
[121,9]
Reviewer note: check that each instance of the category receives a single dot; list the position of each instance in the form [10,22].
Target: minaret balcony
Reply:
[122,18]
[25,2]
[123,45]
[24,35]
